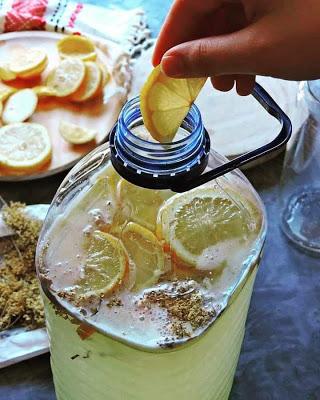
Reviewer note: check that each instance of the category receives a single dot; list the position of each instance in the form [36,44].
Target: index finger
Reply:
[186,20]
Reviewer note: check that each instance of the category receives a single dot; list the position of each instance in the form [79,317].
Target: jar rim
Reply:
[132,103]
[158,165]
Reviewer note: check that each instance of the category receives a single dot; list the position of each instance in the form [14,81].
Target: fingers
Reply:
[186,20]
[244,83]
[223,83]
[234,53]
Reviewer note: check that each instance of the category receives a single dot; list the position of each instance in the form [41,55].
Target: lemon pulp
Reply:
[105,265]
[165,102]
[146,253]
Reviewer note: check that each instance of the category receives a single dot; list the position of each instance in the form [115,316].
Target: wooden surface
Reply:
[280,357]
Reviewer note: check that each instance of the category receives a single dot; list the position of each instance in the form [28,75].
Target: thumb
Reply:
[235,53]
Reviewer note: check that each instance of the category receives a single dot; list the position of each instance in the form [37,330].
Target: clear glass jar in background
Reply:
[300,182]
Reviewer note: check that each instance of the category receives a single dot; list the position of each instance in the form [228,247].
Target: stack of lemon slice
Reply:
[78,77]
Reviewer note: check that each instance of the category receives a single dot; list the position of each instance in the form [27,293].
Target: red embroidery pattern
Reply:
[26,15]
[74,15]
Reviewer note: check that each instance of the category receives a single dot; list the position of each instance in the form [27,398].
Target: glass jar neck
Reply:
[153,164]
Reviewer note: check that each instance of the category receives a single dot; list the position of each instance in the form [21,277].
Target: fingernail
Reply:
[172,66]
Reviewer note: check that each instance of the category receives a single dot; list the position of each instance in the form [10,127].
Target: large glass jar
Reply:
[146,292]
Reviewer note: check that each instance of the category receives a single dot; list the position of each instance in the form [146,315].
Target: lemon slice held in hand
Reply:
[146,253]
[77,46]
[165,102]
[24,146]
[105,266]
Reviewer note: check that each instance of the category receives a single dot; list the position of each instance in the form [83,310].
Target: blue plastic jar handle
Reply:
[286,129]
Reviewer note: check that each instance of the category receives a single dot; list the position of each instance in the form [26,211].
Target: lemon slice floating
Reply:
[27,63]
[90,84]
[24,146]
[139,204]
[105,265]
[67,77]
[76,134]
[197,223]
[165,102]
[146,253]
[20,106]
[77,46]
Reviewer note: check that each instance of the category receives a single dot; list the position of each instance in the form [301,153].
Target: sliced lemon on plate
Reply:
[76,134]
[139,204]
[146,253]
[5,73]
[77,46]
[105,74]
[105,266]
[24,146]
[34,72]
[67,77]
[90,84]
[201,224]
[20,106]
[165,102]
[6,91]
[44,91]
[27,63]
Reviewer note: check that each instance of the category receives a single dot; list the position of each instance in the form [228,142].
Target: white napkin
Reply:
[124,27]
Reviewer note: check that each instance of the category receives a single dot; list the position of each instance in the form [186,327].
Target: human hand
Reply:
[234,40]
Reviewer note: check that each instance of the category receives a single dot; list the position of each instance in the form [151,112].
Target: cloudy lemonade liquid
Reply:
[146,292]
